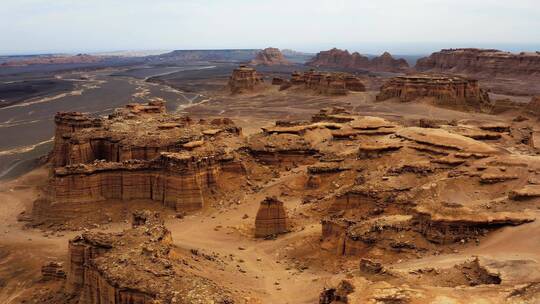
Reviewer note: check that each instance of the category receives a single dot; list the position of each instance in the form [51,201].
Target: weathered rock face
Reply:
[68,123]
[244,79]
[52,271]
[80,138]
[387,63]
[533,107]
[327,83]
[402,202]
[336,295]
[445,89]
[448,229]
[271,218]
[481,62]
[134,266]
[336,58]
[270,56]
[138,153]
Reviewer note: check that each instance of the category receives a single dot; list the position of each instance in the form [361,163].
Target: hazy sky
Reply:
[401,26]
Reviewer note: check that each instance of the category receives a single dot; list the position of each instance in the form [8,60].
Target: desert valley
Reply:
[270,176]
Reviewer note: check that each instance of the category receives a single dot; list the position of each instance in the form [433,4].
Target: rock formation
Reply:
[485,62]
[394,204]
[137,153]
[271,218]
[53,271]
[533,107]
[270,56]
[387,63]
[448,90]
[336,58]
[66,124]
[136,266]
[326,83]
[244,79]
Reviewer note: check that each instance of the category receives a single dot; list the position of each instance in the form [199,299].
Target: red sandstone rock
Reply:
[481,62]
[135,266]
[336,58]
[53,271]
[139,152]
[271,218]
[533,106]
[328,83]
[387,63]
[244,79]
[450,90]
[270,56]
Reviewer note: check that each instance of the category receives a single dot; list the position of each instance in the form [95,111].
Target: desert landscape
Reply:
[270,176]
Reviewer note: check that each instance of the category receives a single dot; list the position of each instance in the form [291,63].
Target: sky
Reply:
[370,27]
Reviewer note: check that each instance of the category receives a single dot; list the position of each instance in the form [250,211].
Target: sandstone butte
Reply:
[482,62]
[270,56]
[325,83]
[446,90]
[244,79]
[336,58]
[271,218]
[138,152]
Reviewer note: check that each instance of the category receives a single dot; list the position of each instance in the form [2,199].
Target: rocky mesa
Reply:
[139,152]
[446,90]
[270,56]
[485,62]
[336,58]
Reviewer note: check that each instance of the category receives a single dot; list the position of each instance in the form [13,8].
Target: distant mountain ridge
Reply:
[336,58]
[240,55]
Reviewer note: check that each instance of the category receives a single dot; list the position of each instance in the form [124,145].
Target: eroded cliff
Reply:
[139,265]
[446,90]
[481,62]
[270,56]
[336,58]
[139,153]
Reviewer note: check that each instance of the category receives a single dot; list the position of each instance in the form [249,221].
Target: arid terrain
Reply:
[259,176]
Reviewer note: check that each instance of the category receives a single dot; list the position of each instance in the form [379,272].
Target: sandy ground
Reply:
[266,275]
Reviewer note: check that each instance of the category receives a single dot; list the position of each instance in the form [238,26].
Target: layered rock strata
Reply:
[270,56]
[533,107]
[138,153]
[53,271]
[271,218]
[401,201]
[244,79]
[451,90]
[135,266]
[481,62]
[326,83]
[336,58]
